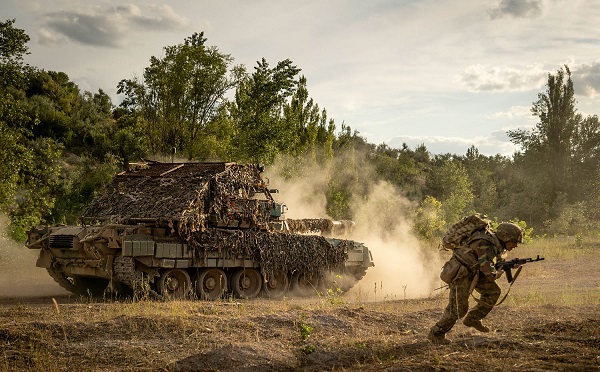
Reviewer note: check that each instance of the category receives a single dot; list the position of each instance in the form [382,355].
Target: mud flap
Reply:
[44,260]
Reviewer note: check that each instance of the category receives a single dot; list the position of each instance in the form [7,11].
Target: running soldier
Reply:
[476,259]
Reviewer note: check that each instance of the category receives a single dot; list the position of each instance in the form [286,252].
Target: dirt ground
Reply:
[550,322]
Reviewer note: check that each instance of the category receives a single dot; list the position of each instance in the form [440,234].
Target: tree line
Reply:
[60,145]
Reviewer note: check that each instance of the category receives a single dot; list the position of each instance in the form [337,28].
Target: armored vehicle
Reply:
[202,230]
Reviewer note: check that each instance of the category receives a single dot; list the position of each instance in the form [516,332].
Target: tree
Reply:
[14,153]
[181,93]
[13,47]
[450,184]
[550,141]
[428,219]
[259,100]
[481,172]
[301,118]
[586,158]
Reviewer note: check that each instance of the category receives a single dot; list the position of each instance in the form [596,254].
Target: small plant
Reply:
[304,328]
[334,296]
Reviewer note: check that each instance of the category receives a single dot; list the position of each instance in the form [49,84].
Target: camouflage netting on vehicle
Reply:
[189,195]
[180,193]
[308,225]
[311,254]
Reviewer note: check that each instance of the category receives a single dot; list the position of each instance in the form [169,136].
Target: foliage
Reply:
[60,146]
[13,48]
[450,184]
[80,180]
[38,180]
[550,142]
[572,220]
[428,221]
[527,231]
[181,94]
[261,132]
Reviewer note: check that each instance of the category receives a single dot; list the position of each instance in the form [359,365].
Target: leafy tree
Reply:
[429,222]
[259,100]
[481,174]
[450,184]
[38,179]
[401,168]
[338,200]
[78,185]
[14,153]
[181,94]
[551,139]
[13,48]
[301,117]
[586,163]
[326,136]
[129,141]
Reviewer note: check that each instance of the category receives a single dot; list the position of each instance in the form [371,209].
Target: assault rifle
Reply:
[508,265]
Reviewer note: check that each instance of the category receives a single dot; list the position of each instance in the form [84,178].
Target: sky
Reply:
[449,74]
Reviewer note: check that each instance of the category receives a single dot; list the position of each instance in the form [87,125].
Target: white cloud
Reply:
[586,79]
[162,17]
[517,113]
[47,37]
[486,78]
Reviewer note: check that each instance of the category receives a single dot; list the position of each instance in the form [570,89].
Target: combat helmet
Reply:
[509,232]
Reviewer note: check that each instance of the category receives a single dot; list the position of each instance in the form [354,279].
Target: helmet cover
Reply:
[509,232]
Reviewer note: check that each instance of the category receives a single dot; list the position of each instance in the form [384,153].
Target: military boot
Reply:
[470,322]
[437,338]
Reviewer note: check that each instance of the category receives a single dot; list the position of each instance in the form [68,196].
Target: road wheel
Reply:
[304,284]
[174,283]
[211,284]
[277,284]
[246,283]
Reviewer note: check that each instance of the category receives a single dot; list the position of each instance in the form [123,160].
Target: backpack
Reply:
[460,232]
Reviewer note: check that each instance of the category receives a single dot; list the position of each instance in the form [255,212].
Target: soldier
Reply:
[479,255]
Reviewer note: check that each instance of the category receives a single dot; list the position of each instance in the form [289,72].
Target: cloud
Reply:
[586,79]
[484,78]
[497,143]
[518,113]
[516,9]
[107,27]
[47,37]
[163,17]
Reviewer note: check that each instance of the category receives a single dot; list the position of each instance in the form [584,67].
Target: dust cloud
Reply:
[19,277]
[404,268]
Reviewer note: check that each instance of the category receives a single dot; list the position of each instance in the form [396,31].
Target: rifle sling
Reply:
[511,283]
[507,291]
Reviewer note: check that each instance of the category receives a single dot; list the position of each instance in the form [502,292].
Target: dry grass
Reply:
[551,321]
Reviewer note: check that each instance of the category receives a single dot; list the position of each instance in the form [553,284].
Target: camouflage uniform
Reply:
[479,255]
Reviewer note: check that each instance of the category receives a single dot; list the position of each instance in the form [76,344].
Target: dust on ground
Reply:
[19,275]
[550,321]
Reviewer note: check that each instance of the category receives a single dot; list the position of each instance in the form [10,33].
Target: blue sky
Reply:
[449,74]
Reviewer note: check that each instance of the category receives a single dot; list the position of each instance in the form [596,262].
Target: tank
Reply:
[200,230]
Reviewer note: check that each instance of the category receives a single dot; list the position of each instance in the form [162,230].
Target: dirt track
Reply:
[551,321]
